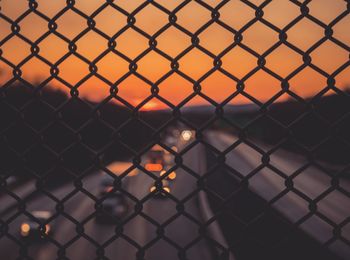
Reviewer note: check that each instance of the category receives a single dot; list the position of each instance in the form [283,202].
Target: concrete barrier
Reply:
[214,228]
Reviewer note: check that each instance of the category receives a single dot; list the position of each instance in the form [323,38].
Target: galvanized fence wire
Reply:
[177,116]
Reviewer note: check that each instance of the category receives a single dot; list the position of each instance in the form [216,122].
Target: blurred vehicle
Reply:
[107,184]
[107,180]
[170,177]
[113,208]
[171,140]
[155,159]
[155,155]
[169,158]
[163,191]
[119,167]
[31,227]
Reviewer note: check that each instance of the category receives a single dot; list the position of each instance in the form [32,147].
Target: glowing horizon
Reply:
[218,86]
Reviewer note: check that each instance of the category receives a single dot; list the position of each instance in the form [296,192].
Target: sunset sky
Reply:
[195,64]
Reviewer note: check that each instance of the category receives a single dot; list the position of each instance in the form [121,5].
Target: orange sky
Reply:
[216,38]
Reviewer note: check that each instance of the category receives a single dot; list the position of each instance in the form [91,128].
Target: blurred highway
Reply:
[312,182]
[180,230]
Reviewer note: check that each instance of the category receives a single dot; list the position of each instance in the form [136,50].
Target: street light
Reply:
[186,135]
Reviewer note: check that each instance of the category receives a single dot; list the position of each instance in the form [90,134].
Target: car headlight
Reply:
[172,176]
[25,228]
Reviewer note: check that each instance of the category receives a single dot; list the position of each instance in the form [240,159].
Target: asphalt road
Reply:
[180,231]
[312,182]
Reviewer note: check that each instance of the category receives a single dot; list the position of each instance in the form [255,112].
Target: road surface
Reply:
[180,231]
[312,182]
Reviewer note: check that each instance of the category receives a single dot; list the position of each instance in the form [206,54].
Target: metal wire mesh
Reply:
[79,130]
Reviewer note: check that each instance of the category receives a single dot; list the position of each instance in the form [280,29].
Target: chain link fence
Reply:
[248,166]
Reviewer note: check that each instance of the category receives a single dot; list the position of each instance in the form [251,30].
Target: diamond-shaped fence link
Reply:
[268,178]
